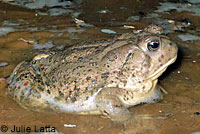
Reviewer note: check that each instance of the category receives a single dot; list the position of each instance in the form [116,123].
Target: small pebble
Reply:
[108,31]
[179,72]
[3,64]
[189,4]
[171,21]
[194,61]
[103,11]
[69,125]
[128,26]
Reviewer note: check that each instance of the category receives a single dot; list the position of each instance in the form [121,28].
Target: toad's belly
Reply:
[81,105]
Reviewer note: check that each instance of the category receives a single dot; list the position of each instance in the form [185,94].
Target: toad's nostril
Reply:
[170,44]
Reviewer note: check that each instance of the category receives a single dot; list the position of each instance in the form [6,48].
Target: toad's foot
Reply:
[111,106]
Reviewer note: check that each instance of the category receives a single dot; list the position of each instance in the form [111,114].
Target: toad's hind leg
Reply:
[110,105]
[25,86]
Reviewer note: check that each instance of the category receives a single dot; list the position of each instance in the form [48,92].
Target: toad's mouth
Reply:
[158,72]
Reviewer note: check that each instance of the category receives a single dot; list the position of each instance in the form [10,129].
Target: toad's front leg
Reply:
[109,103]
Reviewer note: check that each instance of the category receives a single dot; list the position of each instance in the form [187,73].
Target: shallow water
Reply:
[25,33]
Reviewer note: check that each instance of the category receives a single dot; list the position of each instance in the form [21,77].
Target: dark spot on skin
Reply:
[127,58]
[87,98]
[125,98]
[80,67]
[162,56]
[161,64]
[98,51]
[61,94]
[106,112]
[80,58]
[88,78]
[91,93]
[22,75]
[143,87]
[73,99]
[94,81]
[155,100]
[41,89]
[170,44]
[70,92]
[105,75]
[48,91]
[117,105]
[25,84]
[77,89]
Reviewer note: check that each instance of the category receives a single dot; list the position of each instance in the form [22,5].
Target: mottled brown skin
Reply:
[98,78]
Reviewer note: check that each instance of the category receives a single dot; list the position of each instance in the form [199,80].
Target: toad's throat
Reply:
[158,72]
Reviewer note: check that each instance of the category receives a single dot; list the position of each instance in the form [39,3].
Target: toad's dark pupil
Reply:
[153,45]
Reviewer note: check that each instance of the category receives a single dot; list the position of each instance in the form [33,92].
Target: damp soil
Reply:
[177,113]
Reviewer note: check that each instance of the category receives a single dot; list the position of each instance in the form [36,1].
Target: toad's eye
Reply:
[153,45]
